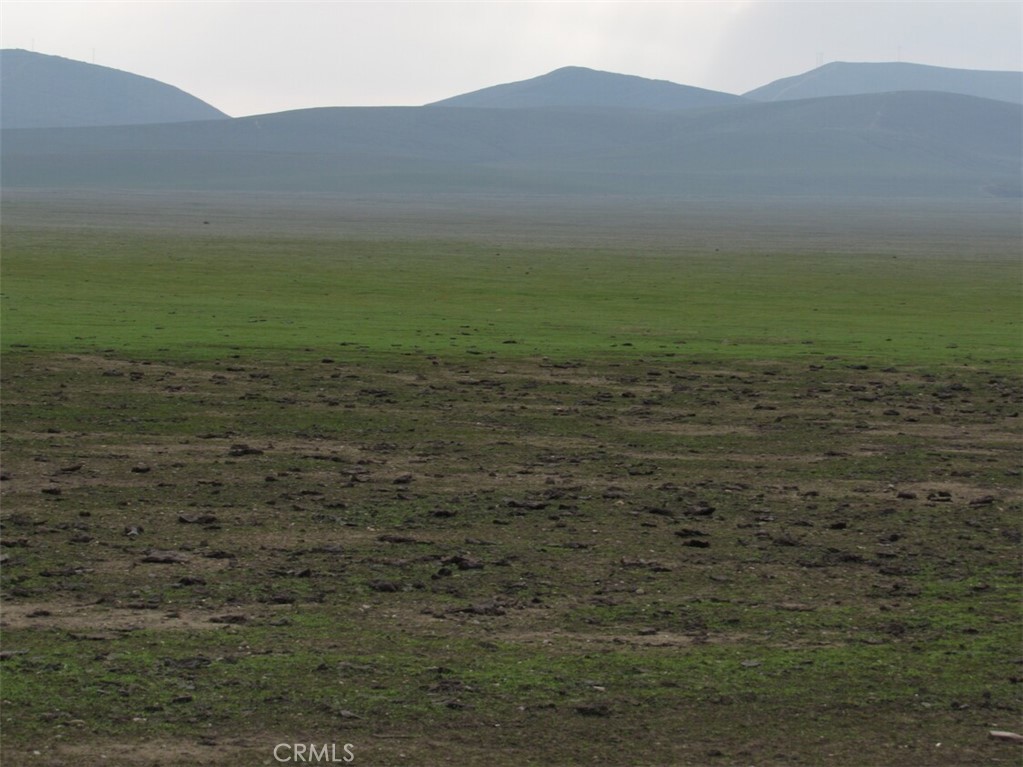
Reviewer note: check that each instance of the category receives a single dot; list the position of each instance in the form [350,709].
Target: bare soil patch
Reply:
[496,563]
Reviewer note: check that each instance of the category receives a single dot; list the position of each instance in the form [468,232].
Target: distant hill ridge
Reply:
[574,130]
[583,87]
[902,144]
[841,78]
[38,91]
[42,91]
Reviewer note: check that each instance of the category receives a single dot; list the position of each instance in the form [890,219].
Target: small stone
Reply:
[202,519]
[697,544]
[164,557]
[593,709]
[1010,737]
[701,509]
[688,532]
[243,449]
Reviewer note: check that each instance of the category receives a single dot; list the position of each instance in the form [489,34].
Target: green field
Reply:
[198,297]
[456,503]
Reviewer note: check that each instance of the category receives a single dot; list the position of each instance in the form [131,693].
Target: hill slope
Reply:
[40,91]
[844,78]
[888,145]
[582,87]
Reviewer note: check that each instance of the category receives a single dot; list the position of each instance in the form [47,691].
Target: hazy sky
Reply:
[254,57]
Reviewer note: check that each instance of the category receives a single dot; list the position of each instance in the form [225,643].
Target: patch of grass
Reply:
[183,297]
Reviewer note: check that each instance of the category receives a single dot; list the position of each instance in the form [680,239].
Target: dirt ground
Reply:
[639,561]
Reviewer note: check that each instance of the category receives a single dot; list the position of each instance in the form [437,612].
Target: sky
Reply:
[246,57]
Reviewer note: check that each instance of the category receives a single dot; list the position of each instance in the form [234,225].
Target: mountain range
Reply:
[39,91]
[582,87]
[574,131]
[842,78]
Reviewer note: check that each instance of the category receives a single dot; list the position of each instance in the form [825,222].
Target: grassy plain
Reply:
[456,502]
[202,296]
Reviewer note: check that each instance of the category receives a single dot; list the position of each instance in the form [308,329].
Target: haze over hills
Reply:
[842,78]
[41,91]
[582,87]
[898,144]
[574,131]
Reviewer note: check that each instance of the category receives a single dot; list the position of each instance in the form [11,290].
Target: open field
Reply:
[538,500]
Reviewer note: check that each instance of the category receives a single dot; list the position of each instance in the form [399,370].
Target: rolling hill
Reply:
[40,91]
[572,131]
[582,87]
[845,79]
[916,144]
